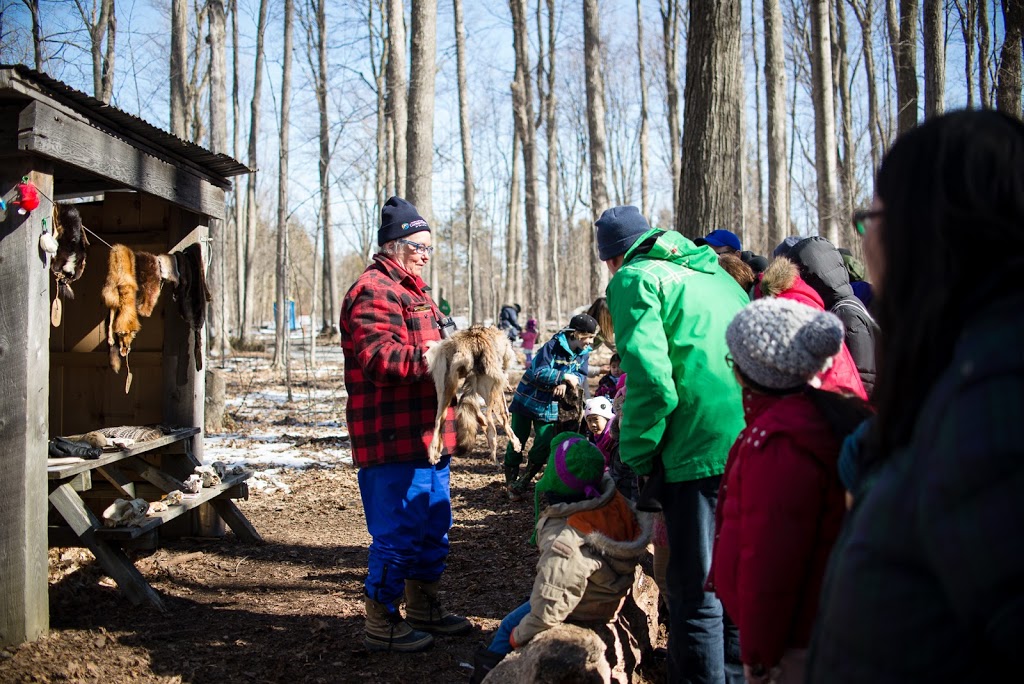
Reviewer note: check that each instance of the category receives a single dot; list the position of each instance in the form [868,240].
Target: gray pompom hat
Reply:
[782,344]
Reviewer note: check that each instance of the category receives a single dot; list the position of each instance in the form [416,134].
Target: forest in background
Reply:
[512,124]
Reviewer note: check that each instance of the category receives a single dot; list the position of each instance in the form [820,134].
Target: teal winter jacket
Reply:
[555,359]
[671,303]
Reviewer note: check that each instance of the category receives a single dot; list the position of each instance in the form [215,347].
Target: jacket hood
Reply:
[795,416]
[670,245]
[821,265]
[597,540]
[782,279]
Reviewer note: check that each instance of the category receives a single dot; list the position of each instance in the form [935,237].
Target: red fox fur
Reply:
[120,293]
[482,357]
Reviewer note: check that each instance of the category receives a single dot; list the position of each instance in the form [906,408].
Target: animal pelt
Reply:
[120,293]
[192,295]
[68,264]
[479,358]
[147,275]
[570,409]
[780,276]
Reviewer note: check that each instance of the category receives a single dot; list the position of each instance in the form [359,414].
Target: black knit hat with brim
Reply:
[399,219]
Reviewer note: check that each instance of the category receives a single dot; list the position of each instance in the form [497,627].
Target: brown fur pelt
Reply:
[192,295]
[147,275]
[780,276]
[479,358]
[570,409]
[120,294]
[741,272]
[68,264]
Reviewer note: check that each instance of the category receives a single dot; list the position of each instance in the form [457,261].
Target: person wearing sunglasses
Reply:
[924,583]
[387,320]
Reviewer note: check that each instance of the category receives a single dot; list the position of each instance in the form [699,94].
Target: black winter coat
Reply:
[821,266]
[508,318]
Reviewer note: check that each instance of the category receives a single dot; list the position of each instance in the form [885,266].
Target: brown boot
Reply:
[424,612]
[387,631]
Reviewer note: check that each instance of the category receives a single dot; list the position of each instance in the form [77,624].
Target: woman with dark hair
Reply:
[926,583]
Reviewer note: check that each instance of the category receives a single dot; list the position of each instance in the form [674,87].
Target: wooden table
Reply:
[69,477]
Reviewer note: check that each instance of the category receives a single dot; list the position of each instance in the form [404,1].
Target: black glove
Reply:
[65,448]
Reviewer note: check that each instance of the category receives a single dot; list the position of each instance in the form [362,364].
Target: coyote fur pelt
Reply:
[482,357]
[120,294]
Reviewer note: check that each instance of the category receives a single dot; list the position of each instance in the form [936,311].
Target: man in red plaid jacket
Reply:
[387,318]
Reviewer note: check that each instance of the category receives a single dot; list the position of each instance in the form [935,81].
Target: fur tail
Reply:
[469,419]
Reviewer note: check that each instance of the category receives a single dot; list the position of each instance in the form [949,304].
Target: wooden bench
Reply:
[69,477]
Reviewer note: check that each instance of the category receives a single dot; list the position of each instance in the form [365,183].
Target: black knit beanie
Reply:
[399,219]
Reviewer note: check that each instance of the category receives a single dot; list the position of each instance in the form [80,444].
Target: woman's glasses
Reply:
[860,219]
[418,248]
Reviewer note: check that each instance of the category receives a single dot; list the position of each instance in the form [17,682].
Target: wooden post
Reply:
[24,397]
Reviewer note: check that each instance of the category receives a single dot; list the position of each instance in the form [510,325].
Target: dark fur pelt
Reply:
[192,295]
[147,275]
[570,409]
[68,264]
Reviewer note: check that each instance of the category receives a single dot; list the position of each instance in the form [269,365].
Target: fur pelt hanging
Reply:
[192,295]
[68,264]
[147,275]
[120,293]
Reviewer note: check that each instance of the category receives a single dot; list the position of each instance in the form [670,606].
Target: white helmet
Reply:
[599,406]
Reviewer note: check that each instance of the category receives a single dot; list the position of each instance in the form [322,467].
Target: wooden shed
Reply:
[133,184]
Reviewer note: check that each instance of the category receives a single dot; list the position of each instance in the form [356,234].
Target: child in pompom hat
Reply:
[781,503]
[590,540]
[529,338]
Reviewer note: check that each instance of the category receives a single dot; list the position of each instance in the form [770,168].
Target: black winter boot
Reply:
[520,486]
[483,662]
[387,631]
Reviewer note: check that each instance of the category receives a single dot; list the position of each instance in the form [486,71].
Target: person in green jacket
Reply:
[671,303]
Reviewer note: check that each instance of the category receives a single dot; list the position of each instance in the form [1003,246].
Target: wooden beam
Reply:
[49,132]
[24,410]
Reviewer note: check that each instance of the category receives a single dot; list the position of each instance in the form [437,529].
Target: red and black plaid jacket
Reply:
[386,321]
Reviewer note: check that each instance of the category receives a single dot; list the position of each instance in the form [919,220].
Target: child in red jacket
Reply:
[781,503]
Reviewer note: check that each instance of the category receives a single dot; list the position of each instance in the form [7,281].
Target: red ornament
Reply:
[29,196]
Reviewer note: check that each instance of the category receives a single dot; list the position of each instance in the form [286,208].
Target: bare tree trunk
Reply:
[775,90]
[248,308]
[37,33]
[967,11]
[420,131]
[848,163]
[283,321]
[378,66]
[397,97]
[522,103]
[219,144]
[904,46]
[179,60]
[759,227]
[468,188]
[1008,88]
[645,165]
[551,128]
[236,205]
[199,79]
[935,58]
[329,297]
[100,26]
[670,42]
[711,122]
[513,254]
[983,55]
[595,125]
[863,9]
[824,121]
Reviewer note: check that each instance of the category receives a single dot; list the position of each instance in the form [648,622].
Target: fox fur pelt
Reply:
[481,357]
[192,295]
[68,264]
[147,275]
[120,294]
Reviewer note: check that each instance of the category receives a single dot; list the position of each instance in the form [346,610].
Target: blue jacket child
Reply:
[560,363]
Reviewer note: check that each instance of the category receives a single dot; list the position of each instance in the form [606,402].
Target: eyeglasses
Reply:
[729,362]
[418,248]
[861,217]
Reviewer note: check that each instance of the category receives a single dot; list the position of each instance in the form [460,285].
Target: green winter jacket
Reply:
[671,303]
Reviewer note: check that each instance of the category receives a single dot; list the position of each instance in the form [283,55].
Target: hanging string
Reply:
[98,237]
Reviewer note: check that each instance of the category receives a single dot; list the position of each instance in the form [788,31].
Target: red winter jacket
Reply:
[780,507]
[387,319]
[782,280]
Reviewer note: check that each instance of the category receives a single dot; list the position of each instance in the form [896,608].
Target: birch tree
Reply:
[775,103]
[711,118]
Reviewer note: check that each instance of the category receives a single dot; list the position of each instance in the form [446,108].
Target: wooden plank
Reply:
[115,476]
[47,131]
[24,370]
[112,559]
[138,359]
[155,476]
[63,470]
[239,524]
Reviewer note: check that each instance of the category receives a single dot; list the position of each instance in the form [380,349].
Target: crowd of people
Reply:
[827,471]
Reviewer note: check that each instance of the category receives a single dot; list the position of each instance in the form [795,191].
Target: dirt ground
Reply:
[290,610]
